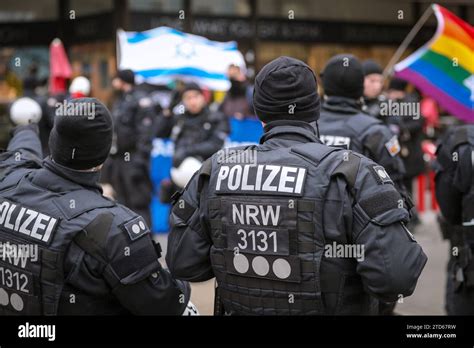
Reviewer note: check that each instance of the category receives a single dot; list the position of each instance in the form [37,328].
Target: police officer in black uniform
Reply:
[267,220]
[72,250]
[344,124]
[127,169]
[196,131]
[455,194]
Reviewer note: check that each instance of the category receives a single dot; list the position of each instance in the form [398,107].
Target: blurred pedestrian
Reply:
[30,89]
[126,172]
[236,102]
[408,124]
[197,132]
[80,87]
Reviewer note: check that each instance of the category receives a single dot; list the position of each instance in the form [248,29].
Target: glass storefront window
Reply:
[240,8]
[28,10]
[90,7]
[165,6]
[382,11]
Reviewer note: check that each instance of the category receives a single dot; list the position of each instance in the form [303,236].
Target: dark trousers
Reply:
[459,298]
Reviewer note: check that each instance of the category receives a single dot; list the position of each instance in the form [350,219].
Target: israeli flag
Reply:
[161,55]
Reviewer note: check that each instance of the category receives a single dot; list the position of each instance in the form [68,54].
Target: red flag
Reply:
[59,68]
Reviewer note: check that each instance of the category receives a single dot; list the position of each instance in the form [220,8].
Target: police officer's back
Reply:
[455,194]
[269,222]
[84,253]
[344,124]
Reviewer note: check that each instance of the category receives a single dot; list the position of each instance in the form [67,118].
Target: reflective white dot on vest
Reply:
[136,229]
[260,266]
[17,302]
[241,264]
[154,275]
[142,225]
[382,173]
[3,298]
[281,268]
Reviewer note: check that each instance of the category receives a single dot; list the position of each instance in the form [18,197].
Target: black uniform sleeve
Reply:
[143,286]
[129,265]
[26,139]
[188,242]
[452,179]
[24,149]
[383,147]
[393,260]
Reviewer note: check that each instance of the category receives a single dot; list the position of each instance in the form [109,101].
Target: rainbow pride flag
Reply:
[443,68]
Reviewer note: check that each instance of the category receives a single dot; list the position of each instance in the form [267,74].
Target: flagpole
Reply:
[408,39]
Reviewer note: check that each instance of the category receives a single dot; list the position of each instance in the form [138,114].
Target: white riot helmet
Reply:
[80,85]
[185,171]
[24,111]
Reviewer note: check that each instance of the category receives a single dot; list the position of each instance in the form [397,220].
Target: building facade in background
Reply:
[264,29]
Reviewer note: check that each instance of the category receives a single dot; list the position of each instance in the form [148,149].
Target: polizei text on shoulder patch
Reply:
[26,223]
[265,179]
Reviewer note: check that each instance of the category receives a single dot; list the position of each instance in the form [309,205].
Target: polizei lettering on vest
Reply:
[261,179]
[29,222]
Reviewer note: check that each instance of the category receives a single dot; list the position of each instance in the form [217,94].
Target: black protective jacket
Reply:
[342,123]
[274,224]
[198,135]
[85,254]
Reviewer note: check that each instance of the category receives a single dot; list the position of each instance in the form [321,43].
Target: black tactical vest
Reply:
[36,229]
[348,131]
[267,229]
